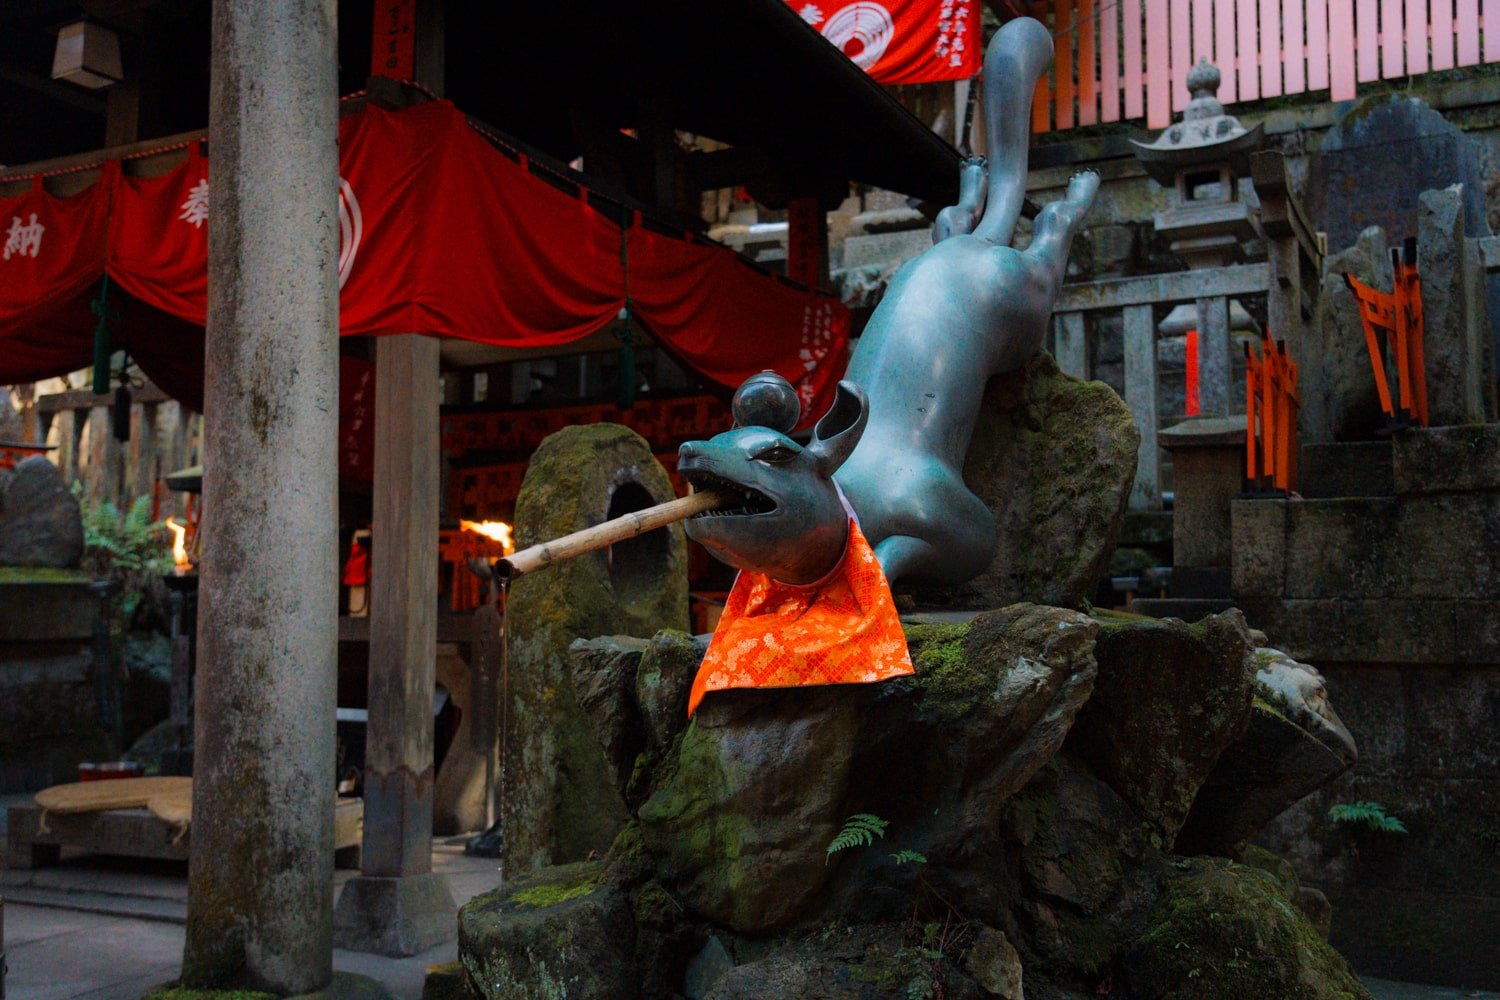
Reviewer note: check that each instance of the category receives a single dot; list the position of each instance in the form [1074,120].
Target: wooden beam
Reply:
[84,399]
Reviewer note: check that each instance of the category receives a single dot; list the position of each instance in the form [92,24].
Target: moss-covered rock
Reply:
[449,981]
[560,934]
[1228,931]
[561,799]
[1170,697]
[1054,458]
[761,782]
[870,962]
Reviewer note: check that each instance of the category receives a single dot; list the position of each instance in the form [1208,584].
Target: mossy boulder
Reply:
[559,934]
[1294,745]
[869,962]
[1170,697]
[761,781]
[561,799]
[1230,932]
[1054,457]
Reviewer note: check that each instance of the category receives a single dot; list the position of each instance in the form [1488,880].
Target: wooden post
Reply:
[398,905]
[1141,397]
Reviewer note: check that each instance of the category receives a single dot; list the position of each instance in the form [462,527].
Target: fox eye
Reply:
[776,454]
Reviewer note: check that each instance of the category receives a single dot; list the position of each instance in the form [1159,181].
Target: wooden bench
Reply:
[136,833]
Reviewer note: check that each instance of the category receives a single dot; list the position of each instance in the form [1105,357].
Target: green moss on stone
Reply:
[41,574]
[1227,931]
[557,892]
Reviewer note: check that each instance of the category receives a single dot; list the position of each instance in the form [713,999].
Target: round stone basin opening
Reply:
[637,566]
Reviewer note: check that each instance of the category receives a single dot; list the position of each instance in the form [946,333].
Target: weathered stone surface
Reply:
[1337,384]
[1169,699]
[1081,865]
[561,799]
[1455,321]
[663,681]
[994,964]
[1229,932]
[739,824]
[560,932]
[876,962]
[763,780]
[1295,744]
[604,675]
[1446,459]
[1054,458]
[1330,469]
[40,524]
[1355,160]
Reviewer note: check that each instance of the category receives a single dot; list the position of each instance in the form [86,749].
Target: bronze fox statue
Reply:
[894,442]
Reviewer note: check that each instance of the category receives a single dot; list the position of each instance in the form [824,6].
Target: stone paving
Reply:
[98,928]
[111,929]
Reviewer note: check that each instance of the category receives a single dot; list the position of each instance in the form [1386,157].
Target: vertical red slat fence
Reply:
[1121,60]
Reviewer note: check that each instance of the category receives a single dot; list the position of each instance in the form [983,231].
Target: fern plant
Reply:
[1371,815]
[860,830]
[909,857]
[128,548]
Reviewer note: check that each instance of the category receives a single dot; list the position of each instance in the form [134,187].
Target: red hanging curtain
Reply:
[440,233]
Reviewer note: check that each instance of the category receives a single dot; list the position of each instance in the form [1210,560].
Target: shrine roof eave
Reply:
[750,73]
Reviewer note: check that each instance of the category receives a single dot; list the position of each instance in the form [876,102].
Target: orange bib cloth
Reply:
[844,630]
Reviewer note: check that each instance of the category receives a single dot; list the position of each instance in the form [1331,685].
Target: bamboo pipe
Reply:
[600,535]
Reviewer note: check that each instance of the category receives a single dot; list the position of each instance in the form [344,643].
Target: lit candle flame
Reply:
[179,543]
[498,530]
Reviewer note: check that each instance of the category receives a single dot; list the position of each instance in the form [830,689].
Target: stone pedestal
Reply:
[394,915]
[1208,469]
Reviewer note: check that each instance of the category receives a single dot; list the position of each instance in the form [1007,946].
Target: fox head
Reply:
[791,525]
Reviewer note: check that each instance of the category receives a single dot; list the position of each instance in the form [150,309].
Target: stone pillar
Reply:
[1455,324]
[260,879]
[1208,470]
[1141,397]
[1215,371]
[398,905]
[1072,345]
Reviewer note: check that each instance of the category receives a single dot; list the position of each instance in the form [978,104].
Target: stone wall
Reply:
[49,713]
[1394,598]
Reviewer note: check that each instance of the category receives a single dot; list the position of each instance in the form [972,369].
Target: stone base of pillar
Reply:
[348,986]
[394,916]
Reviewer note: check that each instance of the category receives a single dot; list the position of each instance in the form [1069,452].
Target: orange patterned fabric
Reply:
[844,630]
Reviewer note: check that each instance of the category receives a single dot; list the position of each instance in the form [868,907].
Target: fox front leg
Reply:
[960,219]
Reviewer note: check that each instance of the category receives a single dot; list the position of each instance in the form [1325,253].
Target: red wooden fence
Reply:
[1124,59]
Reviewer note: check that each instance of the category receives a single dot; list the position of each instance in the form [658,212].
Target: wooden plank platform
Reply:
[135,833]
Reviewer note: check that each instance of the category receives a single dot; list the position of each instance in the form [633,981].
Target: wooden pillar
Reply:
[260,876]
[397,905]
[1141,397]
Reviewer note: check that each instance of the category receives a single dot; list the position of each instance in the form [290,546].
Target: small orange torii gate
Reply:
[1398,313]
[1271,396]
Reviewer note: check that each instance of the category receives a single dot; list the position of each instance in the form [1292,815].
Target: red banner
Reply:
[440,233]
[902,41]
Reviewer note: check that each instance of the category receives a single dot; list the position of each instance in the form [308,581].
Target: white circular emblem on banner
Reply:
[351,229]
[862,31]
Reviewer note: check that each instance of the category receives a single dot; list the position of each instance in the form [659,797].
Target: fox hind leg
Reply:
[960,219]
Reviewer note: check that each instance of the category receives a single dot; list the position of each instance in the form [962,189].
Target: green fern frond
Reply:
[912,857]
[1367,814]
[860,830]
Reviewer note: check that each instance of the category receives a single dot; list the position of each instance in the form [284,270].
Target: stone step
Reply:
[1346,469]
[112,904]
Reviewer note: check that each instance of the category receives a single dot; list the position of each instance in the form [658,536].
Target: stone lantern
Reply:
[1201,161]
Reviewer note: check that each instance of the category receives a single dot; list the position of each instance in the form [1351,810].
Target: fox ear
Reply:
[834,437]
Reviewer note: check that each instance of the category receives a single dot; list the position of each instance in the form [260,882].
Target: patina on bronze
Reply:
[897,434]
